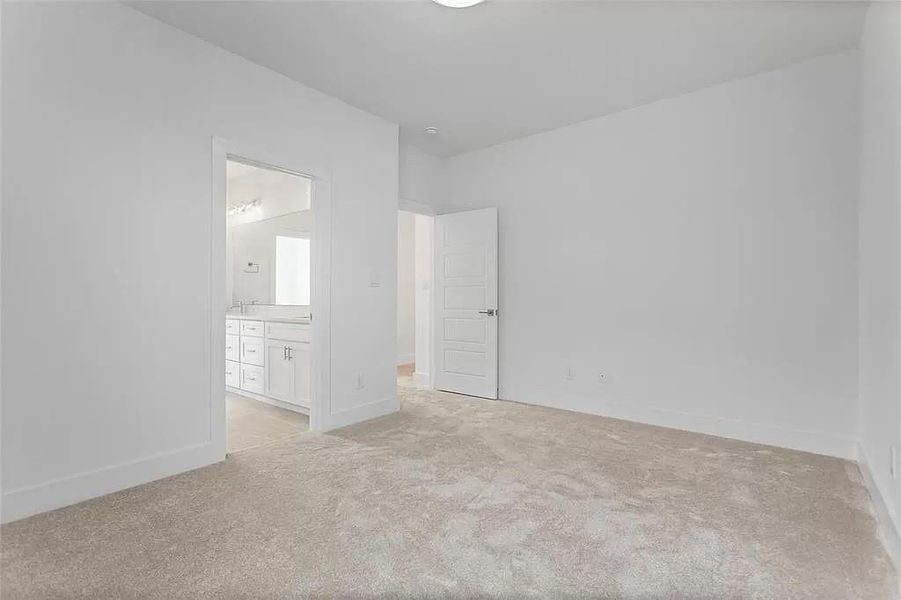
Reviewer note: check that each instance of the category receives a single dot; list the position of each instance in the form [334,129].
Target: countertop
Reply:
[301,320]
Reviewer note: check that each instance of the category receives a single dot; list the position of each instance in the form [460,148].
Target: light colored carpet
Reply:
[464,498]
[252,423]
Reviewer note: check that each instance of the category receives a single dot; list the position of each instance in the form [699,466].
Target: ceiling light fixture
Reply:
[458,3]
[431,130]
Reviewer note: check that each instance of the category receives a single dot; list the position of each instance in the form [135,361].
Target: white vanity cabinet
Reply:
[269,360]
[288,363]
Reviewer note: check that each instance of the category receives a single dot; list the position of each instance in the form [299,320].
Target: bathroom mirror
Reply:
[268,240]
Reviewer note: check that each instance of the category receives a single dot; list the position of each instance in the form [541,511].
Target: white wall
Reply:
[880,194]
[700,251]
[109,117]
[406,249]
[419,175]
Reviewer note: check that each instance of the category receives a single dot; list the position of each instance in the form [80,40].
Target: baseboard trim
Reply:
[886,521]
[757,433]
[364,412]
[25,502]
[423,381]
[406,359]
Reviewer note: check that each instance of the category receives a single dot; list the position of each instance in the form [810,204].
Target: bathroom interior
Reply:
[269,226]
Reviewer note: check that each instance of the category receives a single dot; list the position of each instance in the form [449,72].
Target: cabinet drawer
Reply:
[232,347]
[232,326]
[289,332]
[252,351]
[252,379]
[232,374]
[252,328]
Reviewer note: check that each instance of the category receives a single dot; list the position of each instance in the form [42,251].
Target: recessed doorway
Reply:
[269,227]
[270,336]
[414,299]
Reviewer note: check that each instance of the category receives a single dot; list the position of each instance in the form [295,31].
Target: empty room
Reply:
[450,299]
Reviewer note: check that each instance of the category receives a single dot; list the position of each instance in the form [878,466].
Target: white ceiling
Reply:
[503,69]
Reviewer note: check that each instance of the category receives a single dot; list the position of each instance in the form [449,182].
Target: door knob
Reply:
[490,312]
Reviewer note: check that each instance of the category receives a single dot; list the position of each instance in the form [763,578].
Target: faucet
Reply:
[239,305]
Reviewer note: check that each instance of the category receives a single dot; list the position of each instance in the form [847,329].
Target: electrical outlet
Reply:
[361,382]
[892,463]
[570,374]
[602,377]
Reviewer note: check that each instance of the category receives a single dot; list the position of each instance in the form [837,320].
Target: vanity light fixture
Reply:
[458,3]
[243,207]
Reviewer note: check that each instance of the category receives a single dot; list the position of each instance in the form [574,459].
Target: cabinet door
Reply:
[232,374]
[279,373]
[232,348]
[252,328]
[252,351]
[252,378]
[299,354]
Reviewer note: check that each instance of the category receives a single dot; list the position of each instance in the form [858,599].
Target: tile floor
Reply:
[252,423]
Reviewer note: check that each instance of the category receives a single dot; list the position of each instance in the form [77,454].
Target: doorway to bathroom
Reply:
[414,296]
[272,273]
[267,329]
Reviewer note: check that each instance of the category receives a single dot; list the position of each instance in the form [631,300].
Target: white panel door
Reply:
[278,371]
[466,302]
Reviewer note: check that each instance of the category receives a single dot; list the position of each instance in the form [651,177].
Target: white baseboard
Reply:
[27,501]
[361,413]
[406,359]
[758,433]
[885,516]
[423,381]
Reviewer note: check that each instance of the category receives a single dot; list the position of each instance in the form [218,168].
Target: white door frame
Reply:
[320,343]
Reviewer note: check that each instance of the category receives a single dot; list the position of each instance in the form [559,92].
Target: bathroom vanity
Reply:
[268,359]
